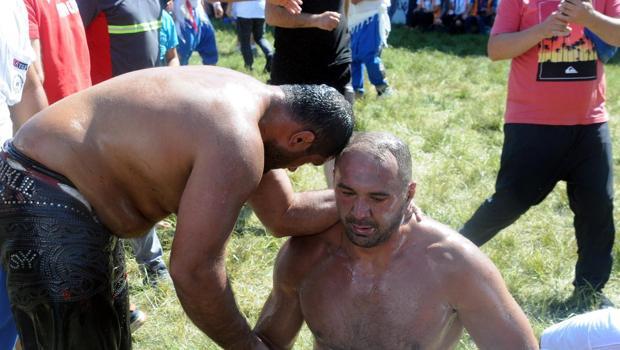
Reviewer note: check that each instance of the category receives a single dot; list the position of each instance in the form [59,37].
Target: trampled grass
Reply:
[448,107]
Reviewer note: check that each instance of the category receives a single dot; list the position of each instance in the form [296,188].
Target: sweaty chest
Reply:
[397,309]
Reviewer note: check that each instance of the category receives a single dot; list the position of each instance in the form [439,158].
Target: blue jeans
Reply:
[201,40]
[147,249]
[366,51]
[8,332]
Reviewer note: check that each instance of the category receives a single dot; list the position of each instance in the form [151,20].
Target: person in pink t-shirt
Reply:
[556,127]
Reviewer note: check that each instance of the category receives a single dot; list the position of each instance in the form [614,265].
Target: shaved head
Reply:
[380,145]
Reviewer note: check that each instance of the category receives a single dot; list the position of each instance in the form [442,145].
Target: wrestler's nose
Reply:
[360,209]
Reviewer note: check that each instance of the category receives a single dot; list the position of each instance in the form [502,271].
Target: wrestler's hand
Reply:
[260,345]
[252,342]
[576,11]
[292,6]
[554,25]
[327,20]
[414,210]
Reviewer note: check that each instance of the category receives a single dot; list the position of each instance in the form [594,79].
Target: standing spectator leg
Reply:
[244,34]
[258,30]
[206,46]
[590,193]
[186,43]
[531,164]
[357,77]
[8,331]
[149,255]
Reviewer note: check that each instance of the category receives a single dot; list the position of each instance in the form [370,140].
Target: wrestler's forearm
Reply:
[309,213]
[208,300]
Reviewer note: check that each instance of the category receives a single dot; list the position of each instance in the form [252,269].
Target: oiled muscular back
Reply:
[129,144]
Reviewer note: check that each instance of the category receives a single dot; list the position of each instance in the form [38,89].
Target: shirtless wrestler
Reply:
[113,160]
[380,280]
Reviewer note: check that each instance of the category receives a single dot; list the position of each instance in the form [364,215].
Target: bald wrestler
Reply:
[381,280]
[113,160]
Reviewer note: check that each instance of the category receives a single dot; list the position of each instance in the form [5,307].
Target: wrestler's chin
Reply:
[365,238]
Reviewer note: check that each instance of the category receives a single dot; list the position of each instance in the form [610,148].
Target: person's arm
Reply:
[218,11]
[292,6]
[286,213]
[280,17]
[172,58]
[509,45]
[479,295]
[583,13]
[33,100]
[281,317]
[209,206]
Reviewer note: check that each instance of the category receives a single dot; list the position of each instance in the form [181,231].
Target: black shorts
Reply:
[65,271]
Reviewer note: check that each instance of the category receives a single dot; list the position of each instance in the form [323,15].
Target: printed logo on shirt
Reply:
[67,8]
[19,64]
[567,58]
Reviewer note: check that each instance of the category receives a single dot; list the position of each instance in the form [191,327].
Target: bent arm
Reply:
[281,317]
[489,313]
[33,100]
[172,57]
[508,40]
[584,13]
[209,206]
[286,213]
[607,28]
[279,17]
[509,45]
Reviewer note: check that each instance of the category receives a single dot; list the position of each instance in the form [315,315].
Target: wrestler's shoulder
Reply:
[300,254]
[444,246]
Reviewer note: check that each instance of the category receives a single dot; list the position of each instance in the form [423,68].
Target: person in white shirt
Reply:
[596,330]
[251,22]
[16,75]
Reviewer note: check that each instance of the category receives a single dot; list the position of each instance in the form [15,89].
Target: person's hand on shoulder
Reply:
[292,6]
[327,20]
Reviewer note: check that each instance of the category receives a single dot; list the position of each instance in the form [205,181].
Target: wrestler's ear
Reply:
[301,141]
[411,190]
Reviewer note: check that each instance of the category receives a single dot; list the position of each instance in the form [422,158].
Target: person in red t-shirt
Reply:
[57,33]
[556,128]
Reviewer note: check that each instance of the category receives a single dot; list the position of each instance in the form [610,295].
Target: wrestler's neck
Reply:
[276,122]
[382,254]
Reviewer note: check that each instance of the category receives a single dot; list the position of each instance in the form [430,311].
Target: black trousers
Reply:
[65,271]
[246,27]
[534,158]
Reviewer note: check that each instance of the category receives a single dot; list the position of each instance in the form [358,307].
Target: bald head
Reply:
[381,146]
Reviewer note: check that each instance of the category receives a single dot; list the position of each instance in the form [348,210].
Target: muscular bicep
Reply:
[485,307]
[281,316]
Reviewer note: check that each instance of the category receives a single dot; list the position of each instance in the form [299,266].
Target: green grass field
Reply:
[449,108]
